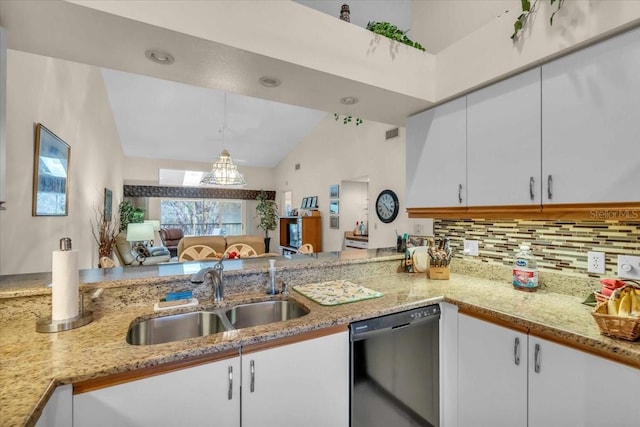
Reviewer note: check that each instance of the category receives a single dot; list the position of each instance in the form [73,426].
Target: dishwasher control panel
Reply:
[359,330]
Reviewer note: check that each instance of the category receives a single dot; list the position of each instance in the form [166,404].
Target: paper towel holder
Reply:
[49,325]
[83,318]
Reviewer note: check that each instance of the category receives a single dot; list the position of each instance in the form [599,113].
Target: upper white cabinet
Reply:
[503,142]
[302,384]
[591,123]
[436,153]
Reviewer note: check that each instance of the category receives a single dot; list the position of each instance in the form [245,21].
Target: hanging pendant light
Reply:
[224,172]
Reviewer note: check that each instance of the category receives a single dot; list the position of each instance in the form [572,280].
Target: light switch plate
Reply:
[471,247]
[629,267]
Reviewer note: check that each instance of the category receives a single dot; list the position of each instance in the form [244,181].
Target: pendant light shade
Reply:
[224,172]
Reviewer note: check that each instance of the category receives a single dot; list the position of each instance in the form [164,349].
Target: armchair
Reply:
[124,252]
[170,239]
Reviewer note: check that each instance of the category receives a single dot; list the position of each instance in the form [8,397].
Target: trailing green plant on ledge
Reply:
[393,32]
[348,119]
[527,10]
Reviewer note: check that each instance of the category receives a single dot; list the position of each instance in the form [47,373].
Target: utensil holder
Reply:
[438,273]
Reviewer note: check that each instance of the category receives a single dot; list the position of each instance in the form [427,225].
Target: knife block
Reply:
[438,273]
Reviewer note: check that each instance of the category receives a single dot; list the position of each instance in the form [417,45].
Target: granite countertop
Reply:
[32,364]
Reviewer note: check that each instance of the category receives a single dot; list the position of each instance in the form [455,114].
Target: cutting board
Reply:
[336,292]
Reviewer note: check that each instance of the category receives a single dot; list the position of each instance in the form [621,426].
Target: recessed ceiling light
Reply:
[349,100]
[269,81]
[159,56]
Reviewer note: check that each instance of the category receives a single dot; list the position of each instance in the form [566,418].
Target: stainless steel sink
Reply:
[202,323]
[175,327]
[262,313]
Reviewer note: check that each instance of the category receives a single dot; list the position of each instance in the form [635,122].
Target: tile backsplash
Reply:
[559,246]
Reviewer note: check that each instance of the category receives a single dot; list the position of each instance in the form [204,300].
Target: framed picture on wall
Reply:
[334,207]
[50,174]
[334,191]
[334,222]
[303,205]
[108,202]
[314,202]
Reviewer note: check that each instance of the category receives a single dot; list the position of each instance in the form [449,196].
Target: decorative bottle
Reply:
[525,270]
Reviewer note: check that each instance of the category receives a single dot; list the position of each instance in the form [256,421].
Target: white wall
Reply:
[487,53]
[334,152]
[71,101]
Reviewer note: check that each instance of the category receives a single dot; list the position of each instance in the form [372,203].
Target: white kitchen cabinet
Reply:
[301,384]
[571,387]
[207,394]
[59,409]
[503,142]
[492,374]
[552,386]
[436,153]
[591,123]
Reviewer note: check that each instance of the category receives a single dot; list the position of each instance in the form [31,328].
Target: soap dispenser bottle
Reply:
[271,288]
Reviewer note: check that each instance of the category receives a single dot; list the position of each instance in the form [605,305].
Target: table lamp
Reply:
[138,234]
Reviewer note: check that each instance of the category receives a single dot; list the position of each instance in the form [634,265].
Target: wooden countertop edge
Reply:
[578,342]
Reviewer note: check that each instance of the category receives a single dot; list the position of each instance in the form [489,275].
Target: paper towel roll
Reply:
[65,279]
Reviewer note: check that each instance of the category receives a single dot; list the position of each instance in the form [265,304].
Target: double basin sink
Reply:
[202,323]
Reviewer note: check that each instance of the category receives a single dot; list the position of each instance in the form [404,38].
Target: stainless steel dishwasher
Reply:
[395,369]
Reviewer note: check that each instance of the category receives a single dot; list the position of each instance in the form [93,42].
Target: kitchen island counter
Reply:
[33,364]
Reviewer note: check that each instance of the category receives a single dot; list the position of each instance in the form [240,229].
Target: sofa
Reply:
[126,256]
[221,243]
[170,239]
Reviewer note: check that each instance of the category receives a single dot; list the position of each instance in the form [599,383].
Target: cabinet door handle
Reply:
[460,193]
[536,359]
[230,392]
[516,351]
[549,187]
[252,368]
[532,181]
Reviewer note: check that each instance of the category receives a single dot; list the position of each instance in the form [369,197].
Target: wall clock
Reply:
[387,206]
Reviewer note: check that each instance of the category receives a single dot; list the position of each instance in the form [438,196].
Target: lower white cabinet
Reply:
[571,387]
[303,383]
[492,375]
[195,396]
[58,411]
[552,386]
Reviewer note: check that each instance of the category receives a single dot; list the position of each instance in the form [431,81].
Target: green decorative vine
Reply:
[527,10]
[393,32]
[348,119]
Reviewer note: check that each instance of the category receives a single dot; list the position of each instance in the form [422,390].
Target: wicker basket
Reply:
[600,297]
[627,328]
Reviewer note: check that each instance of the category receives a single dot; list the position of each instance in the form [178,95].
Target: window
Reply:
[200,217]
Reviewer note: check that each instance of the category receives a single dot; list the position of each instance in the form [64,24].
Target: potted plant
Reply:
[267,212]
[105,231]
[129,213]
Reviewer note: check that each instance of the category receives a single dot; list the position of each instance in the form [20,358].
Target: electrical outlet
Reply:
[629,267]
[470,247]
[595,262]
